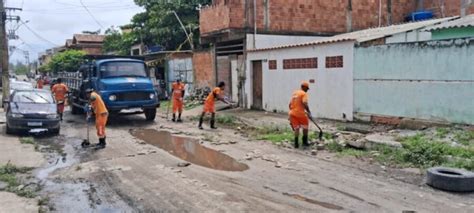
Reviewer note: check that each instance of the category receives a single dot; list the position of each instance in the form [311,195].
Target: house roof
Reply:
[467,21]
[88,38]
[68,42]
[367,34]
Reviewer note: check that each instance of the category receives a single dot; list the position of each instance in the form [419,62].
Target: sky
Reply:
[50,22]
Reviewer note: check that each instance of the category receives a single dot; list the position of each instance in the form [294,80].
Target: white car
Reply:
[20,85]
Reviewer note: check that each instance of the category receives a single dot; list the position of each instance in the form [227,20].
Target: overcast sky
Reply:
[57,20]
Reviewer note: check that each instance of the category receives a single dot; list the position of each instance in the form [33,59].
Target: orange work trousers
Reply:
[100,122]
[177,105]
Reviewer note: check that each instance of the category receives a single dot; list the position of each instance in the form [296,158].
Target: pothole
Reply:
[190,150]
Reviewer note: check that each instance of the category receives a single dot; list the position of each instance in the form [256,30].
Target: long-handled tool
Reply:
[86,142]
[320,130]
[168,109]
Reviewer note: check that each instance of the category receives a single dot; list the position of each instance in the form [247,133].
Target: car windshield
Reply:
[20,86]
[122,69]
[32,97]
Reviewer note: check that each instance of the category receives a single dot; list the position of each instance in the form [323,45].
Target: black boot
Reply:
[305,141]
[200,122]
[101,143]
[174,118]
[179,118]
[85,144]
[61,116]
[297,145]
[213,124]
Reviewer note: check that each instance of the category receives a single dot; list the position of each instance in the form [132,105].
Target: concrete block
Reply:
[378,139]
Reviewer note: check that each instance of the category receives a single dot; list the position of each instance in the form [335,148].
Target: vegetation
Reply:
[278,134]
[464,137]
[9,174]
[68,61]
[19,68]
[118,42]
[418,151]
[27,140]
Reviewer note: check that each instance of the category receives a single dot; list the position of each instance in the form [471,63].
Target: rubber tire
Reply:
[150,114]
[9,130]
[437,177]
[55,131]
[76,110]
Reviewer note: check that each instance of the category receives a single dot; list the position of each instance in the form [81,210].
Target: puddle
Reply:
[190,150]
[319,203]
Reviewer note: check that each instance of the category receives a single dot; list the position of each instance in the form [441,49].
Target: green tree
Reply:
[159,26]
[20,68]
[117,42]
[68,61]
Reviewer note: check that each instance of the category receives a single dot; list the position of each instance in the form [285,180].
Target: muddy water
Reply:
[190,150]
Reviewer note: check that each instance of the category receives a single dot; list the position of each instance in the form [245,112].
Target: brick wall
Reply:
[203,69]
[451,7]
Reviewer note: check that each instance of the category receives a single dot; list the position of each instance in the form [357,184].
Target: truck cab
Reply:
[123,84]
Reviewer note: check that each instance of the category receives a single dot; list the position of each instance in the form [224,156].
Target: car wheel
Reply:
[9,130]
[150,114]
[450,179]
[55,131]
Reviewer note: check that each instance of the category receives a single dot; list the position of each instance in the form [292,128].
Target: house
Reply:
[230,27]
[368,75]
[89,43]
[458,28]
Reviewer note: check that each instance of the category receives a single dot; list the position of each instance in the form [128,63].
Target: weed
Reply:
[208,138]
[8,174]
[464,137]
[43,201]
[335,147]
[226,119]
[27,140]
[441,132]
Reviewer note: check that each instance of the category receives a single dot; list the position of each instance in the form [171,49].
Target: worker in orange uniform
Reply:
[60,91]
[40,83]
[177,89]
[299,113]
[101,115]
[209,104]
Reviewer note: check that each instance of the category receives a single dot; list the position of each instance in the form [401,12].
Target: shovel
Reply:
[86,142]
[320,130]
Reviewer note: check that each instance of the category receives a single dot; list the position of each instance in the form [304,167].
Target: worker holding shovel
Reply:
[299,114]
[101,116]
[209,104]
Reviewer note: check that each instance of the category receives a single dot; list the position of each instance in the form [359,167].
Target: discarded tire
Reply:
[450,179]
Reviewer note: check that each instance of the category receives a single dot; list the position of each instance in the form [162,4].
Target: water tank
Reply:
[420,15]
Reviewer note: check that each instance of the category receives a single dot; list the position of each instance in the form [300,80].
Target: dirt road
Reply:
[142,169]
[145,169]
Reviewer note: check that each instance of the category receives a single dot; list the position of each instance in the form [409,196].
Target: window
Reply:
[300,63]
[334,61]
[272,64]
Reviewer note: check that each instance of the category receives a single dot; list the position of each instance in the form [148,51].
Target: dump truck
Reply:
[122,81]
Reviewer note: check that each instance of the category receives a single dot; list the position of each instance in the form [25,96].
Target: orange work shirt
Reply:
[98,105]
[298,99]
[40,84]
[60,91]
[216,92]
[178,89]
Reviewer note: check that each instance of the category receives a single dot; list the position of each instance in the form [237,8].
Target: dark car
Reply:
[32,109]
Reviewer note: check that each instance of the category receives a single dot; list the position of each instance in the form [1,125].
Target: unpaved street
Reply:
[142,170]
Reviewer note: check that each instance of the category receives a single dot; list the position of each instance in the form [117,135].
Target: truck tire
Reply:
[150,114]
[76,110]
[450,179]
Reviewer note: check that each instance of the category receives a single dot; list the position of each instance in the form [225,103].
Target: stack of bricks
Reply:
[203,69]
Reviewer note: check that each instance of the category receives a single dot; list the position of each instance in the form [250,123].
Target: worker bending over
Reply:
[101,115]
[209,104]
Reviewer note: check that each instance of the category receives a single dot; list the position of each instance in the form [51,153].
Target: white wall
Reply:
[330,96]
[265,41]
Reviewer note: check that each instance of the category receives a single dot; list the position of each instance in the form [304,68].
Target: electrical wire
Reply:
[92,16]
[36,34]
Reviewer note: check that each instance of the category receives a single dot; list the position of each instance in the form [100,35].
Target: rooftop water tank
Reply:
[420,15]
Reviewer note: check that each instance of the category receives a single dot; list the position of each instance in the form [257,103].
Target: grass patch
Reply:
[27,140]
[464,137]
[278,134]
[9,174]
[441,132]
[226,119]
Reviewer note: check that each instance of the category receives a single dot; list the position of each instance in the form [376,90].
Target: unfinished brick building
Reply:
[232,26]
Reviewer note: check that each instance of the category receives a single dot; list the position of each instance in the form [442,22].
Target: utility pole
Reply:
[4,46]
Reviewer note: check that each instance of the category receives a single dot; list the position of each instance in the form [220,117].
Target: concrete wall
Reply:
[330,96]
[412,36]
[430,80]
[451,33]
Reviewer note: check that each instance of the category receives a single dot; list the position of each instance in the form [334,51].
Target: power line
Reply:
[92,16]
[36,34]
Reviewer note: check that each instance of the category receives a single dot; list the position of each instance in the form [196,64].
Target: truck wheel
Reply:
[150,114]
[76,110]
[450,179]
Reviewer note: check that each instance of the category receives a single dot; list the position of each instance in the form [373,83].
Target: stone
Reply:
[320,147]
[359,144]
[377,139]
[232,142]
[314,152]
[278,165]
[20,187]
[3,185]
[184,164]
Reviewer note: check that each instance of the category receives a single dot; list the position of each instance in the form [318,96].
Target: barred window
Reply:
[300,63]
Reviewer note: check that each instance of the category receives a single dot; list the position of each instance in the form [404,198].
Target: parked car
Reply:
[32,109]
[20,85]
